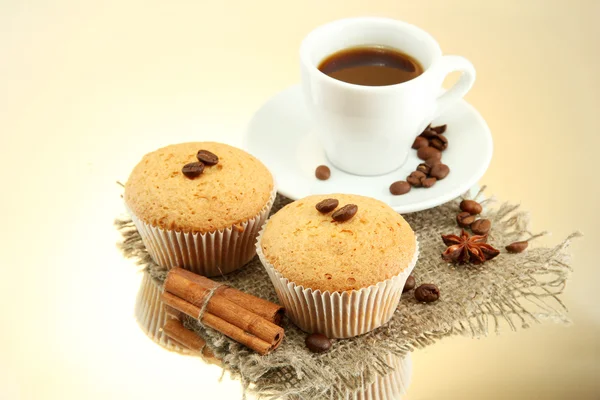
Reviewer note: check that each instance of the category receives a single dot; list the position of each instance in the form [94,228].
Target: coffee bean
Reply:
[415,178]
[517,247]
[471,206]
[317,343]
[409,285]
[400,187]
[428,182]
[439,129]
[464,219]
[420,142]
[439,171]
[428,152]
[481,226]
[323,172]
[192,170]
[428,134]
[327,205]
[424,168]
[427,292]
[440,142]
[207,157]
[345,213]
[433,161]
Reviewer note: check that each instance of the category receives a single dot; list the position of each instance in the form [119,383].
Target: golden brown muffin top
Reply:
[313,251]
[229,193]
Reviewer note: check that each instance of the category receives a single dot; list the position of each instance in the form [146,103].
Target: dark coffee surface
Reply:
[371,66]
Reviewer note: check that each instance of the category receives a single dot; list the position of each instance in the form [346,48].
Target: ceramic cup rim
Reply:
[323,30]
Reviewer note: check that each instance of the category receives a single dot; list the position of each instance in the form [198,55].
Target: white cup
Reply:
[369,130]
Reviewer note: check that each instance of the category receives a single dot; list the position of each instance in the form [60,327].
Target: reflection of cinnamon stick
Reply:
[186,338]
[269,311]
[186,294]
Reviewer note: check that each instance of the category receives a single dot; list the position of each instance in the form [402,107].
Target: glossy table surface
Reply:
[87,88]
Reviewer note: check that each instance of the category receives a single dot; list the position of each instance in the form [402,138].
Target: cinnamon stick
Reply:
[239,335]
[173,313]
[193,292]
[269,311]
[178,334]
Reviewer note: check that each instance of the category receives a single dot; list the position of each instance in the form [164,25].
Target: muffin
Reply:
[341,279]
[206,223]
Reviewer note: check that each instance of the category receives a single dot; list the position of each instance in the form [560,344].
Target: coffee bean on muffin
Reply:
[192,170]
[207,157]
[327,205]
[345,213]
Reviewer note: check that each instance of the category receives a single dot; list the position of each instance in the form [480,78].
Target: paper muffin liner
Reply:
[338,314]
[151,316]
[209,254]
[390,386]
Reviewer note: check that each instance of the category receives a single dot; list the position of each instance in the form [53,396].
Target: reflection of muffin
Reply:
[151,316]
[207,224]
[341,279]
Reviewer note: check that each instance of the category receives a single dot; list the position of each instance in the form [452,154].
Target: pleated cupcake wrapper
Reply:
[338,315]
[209,254]
[151,316]
[388,387]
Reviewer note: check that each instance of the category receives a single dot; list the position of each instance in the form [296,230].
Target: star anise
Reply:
[464,248]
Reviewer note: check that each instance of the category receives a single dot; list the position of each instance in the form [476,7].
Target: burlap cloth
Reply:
[516,289]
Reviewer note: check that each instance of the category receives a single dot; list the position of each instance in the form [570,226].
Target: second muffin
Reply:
[341,279]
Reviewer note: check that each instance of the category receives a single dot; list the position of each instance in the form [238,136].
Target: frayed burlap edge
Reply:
[513,289]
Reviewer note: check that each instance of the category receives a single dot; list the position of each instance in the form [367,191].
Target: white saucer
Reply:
[281,135]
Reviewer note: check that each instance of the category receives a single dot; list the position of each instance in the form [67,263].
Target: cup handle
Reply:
[449,64]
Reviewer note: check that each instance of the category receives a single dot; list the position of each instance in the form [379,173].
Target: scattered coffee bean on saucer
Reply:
[517,247]
[416,178]
[327,205]
[438,129]
[427,293]
[425,153]
[428,182]
[345,213]
[481,226]
[323,172]
[410,284]
[424,168]
[317,343]
[464,219]
[439,171]
[192,170]
[420,142]
[399,188]
[207,158]
[428,134]
[471,206]
[439,142]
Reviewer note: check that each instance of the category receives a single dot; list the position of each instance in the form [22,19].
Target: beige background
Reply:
[86,88]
